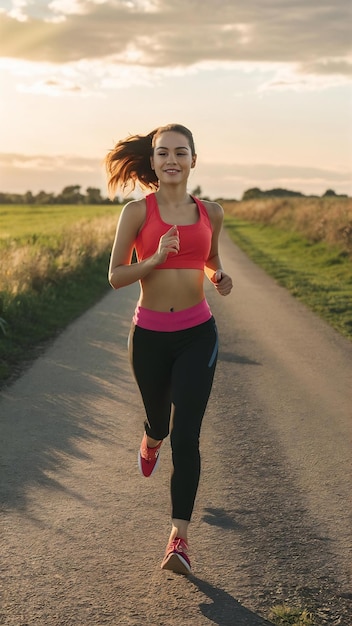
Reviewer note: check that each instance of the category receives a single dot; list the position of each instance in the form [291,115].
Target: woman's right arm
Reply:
[121,272]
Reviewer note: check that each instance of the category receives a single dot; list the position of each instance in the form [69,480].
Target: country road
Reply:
[82,534]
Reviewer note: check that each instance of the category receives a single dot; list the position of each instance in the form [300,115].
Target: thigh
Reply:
[152,367]
[192,378]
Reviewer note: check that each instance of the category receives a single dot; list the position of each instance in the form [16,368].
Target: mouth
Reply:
[171,171]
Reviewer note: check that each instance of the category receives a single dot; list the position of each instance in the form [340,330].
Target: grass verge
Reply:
[49,276]
[317,274]
[37,317]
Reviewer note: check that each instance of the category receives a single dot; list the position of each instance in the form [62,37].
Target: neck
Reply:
[173,195]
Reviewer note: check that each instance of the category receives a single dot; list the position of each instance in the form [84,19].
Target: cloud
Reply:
[48,163]
[313,37]
[20,173]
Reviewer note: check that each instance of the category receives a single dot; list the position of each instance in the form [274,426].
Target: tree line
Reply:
[255,193]
[69,195]
[72,194]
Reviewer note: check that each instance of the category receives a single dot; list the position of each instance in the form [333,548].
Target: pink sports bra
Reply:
[195,239]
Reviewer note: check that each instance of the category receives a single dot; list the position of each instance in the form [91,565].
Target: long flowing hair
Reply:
[128,163]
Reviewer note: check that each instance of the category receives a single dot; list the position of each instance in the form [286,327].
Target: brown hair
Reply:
[129,161]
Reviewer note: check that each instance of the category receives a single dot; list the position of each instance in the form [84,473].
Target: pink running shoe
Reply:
[176,557]
[148,458]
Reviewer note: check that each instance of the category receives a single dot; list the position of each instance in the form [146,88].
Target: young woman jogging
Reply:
[173,339]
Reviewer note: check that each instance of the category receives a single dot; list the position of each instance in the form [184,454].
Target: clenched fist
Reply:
[222,282]
[169,244]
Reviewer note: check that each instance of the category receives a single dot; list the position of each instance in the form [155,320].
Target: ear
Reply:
[194,160]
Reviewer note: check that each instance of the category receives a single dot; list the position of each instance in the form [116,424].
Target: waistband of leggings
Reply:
[171,321]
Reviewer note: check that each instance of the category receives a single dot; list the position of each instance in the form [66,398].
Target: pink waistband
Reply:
[172,320]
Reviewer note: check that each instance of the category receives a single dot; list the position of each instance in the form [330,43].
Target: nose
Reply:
[171,158]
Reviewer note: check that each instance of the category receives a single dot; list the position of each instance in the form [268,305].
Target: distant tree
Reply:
[284,193]
[42,197]
[4,198]
[70,195]
[197,191]
[252,193]
[330,193]
[11,198]
[28,197]
[256,193]
[93,196]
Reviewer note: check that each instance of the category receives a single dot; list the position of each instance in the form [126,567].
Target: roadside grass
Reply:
[33,317]
[48,277]
[319,220]
[318,274]
[283,615]
[27,262]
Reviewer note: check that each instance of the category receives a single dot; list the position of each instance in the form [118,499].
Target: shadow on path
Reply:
[221,518]
[71,395]
[232,357]
[225,610]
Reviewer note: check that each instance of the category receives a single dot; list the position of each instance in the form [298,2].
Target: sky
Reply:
[264,85]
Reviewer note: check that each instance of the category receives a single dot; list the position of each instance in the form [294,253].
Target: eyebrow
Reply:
[178,148]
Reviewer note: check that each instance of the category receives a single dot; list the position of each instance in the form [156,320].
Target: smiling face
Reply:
[172,157]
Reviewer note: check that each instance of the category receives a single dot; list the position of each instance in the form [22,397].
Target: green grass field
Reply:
[317,274]
[21,221]
[53,266]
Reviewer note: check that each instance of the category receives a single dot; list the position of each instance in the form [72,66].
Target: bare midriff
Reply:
[172,289]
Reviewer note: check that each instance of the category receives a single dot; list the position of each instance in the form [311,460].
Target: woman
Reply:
[173,338]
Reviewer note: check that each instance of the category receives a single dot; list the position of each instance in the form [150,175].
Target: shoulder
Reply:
[215,211]
[132,217]
[135,206]
[134,210]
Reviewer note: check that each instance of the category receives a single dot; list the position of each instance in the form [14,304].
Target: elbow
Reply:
[113,284]
[112,280]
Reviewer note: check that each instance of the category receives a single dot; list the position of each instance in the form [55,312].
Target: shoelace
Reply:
[149,454]
[178,544]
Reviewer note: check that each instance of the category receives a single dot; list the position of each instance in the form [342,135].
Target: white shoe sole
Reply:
[176,563]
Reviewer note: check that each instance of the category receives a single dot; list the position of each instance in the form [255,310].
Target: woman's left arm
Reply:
[213,267]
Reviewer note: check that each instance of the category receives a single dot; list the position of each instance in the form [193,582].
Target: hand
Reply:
[169,244]
[222,282]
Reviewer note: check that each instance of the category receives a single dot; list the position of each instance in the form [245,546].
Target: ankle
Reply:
[152,443]
[179,530]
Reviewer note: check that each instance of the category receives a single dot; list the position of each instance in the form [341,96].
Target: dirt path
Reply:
[82,534]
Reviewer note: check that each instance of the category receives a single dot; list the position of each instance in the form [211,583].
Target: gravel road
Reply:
[82,534]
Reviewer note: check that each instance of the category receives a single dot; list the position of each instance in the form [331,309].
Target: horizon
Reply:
[266,90]
[266,193]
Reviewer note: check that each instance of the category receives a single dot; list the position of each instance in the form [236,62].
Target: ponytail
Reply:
[129,161]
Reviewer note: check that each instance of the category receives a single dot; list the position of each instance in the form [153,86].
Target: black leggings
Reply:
[174,372]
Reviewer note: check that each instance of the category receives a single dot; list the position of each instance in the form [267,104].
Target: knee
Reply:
[184,444]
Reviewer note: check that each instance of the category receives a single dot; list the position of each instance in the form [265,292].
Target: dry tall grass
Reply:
[31,265]
[326,220]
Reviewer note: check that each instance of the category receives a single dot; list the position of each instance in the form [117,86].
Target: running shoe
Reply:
[176,557]
[148,458]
